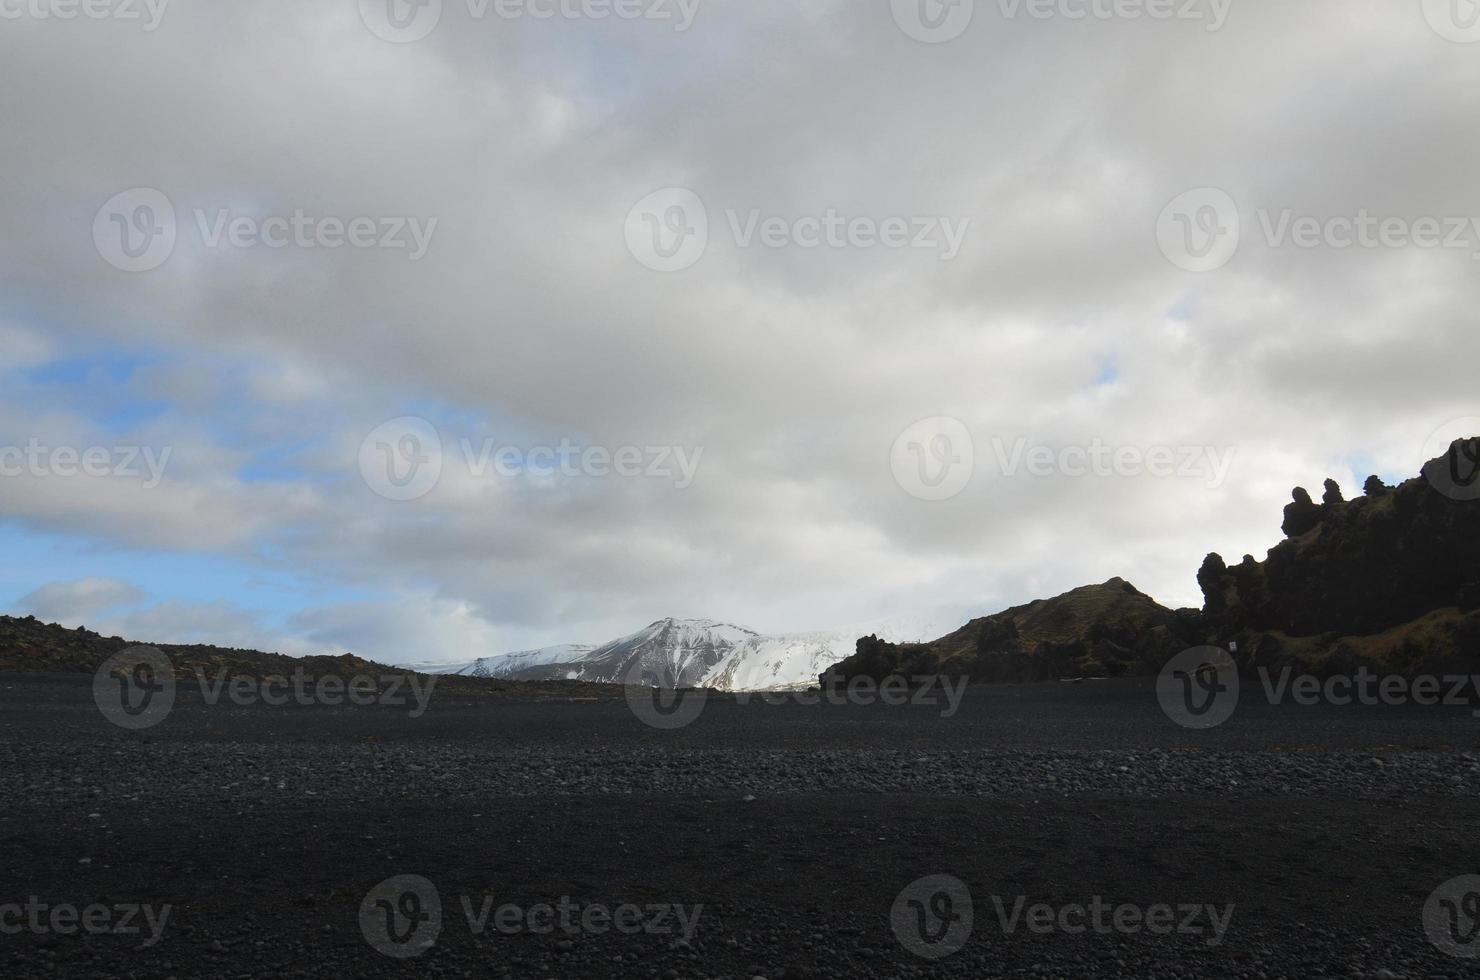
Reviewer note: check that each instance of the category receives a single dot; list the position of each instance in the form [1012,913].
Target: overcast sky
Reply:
[1061,311]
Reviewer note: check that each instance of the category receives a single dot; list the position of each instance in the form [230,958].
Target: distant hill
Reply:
[27,644]
[1097,630]
[1390,580]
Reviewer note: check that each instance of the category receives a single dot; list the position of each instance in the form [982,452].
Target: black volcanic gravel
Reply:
[796,827]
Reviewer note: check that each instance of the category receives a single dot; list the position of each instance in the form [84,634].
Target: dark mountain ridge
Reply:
[1390,580]
[28,644]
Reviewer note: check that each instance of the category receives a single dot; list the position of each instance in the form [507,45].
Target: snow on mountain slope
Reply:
[792,661]
[543,664]
[777,663]
[697,653]
[668,653]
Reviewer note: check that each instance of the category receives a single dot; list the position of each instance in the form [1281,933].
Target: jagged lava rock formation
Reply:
[1390,580]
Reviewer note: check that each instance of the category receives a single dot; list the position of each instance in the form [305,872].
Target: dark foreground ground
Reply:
[797,828]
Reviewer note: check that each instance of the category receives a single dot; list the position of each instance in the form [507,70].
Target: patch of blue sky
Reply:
[36,558]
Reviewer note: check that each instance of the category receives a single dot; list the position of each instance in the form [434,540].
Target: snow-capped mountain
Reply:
[695,653]
[544,664]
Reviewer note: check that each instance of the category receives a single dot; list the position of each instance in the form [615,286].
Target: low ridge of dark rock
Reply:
[28,644]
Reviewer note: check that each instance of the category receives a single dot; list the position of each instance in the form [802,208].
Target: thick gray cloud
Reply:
[528,321]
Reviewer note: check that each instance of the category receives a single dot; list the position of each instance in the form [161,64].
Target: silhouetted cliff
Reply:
[1390,579]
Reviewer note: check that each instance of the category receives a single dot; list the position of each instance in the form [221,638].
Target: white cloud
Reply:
[794,369]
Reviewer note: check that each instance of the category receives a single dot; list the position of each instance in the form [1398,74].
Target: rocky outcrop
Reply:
[1391,577]
[1390,580]
[1360,566]
[1300,516]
